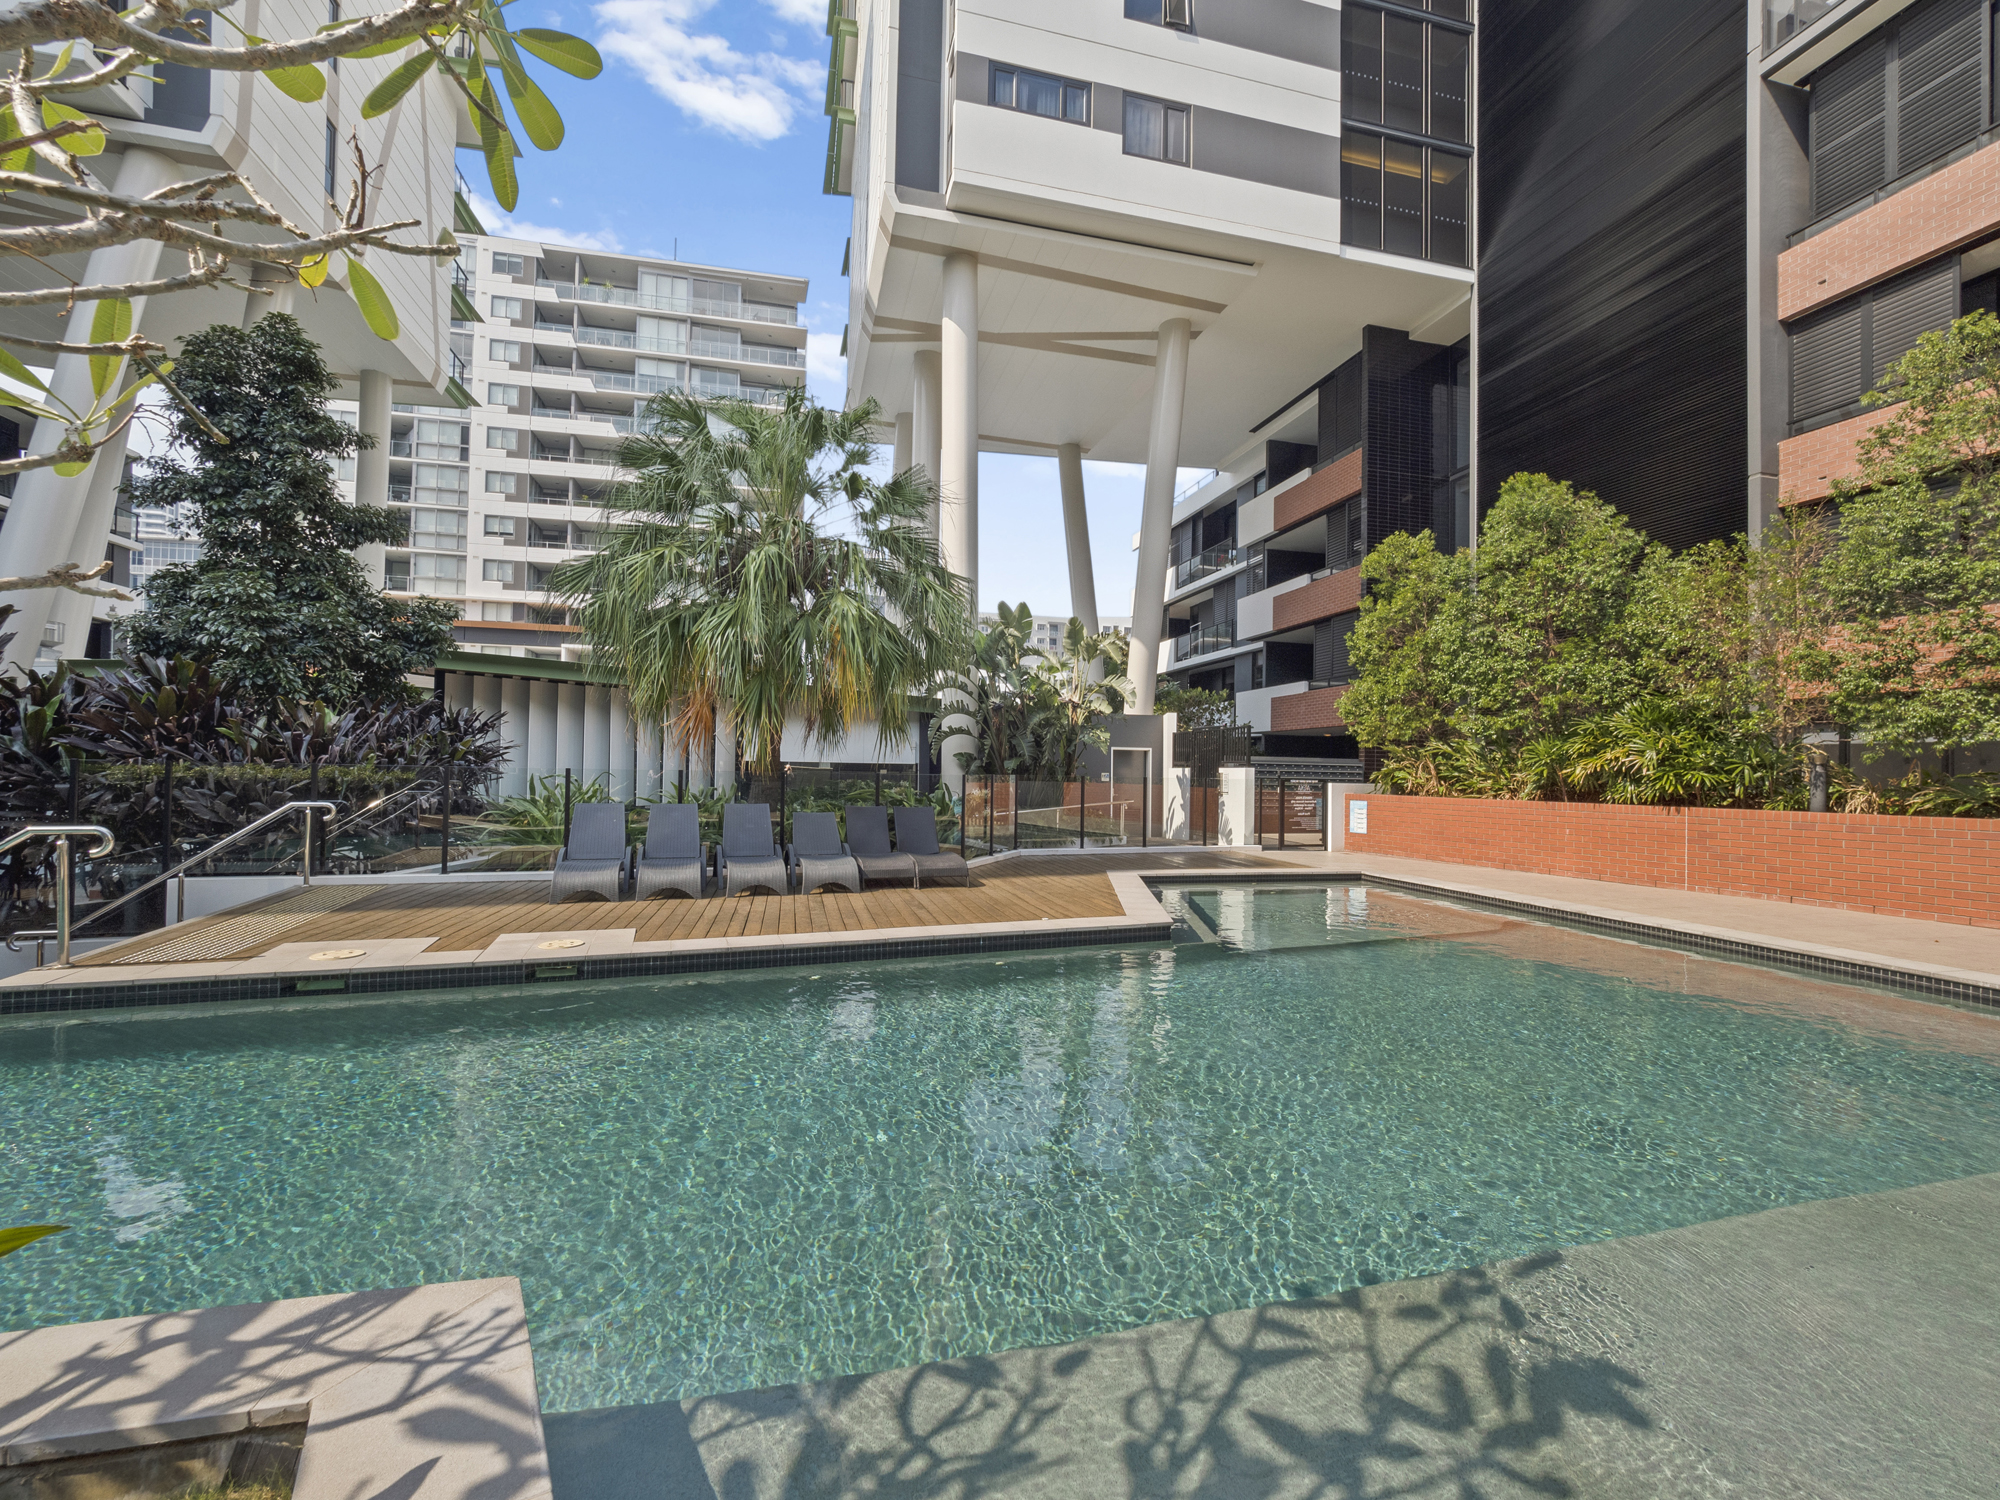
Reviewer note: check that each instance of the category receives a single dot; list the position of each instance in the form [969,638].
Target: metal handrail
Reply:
[180,870]
[62,833]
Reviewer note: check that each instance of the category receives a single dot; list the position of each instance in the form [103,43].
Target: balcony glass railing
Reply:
[555,413]
[1785,19]
[545,327]
[1203,639]
[617,338]
[625,296]
[618,380]
[1214,560]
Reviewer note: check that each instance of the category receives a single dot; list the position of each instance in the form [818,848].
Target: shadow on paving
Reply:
[1441,1387]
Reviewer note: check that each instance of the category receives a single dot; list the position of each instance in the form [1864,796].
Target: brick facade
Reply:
[1809,464]
[1321,599]
[1949,208]
[1338,481]
[1933,869]
[1296,713]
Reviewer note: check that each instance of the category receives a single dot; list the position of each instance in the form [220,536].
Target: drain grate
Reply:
[232,934]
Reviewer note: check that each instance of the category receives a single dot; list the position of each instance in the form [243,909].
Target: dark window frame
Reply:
[1171,108]
[1173,15]
[1353,175]
[1064,88]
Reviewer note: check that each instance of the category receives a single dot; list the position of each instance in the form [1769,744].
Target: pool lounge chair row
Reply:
[595,863]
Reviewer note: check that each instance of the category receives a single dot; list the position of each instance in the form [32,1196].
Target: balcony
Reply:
[623,296]
[1785,19]
[618,380]
[1203,639]
[617,338]
[1316,708]
[1202,564]
[755,354]
[545,327]
[399,494]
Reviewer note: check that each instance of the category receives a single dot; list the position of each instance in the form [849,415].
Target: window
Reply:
[503,484]
[1178,14]
[1909,94]
[509,265]
[1842,352]
[333,19]
[495,571]
[506,439]
[1403,73]
[503,395]
[507,307]
[432,438]
[1039,94]
[431,574]
[1156,130]
[1404,198]
[441,530]
[435,484]
[501,526]
[332,152]
[504,351]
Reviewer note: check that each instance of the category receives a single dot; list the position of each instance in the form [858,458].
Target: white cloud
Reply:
[498,221]
[826,368]
[805,12]
[754,97]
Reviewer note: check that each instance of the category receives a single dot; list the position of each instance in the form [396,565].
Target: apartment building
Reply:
[562,351]
[1875,173]
[180,125]
[1230,237]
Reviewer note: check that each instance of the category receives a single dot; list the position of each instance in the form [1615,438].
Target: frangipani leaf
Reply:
[110,323]
[89,143]
[303,83]
[402,78]
[11,161]
[23,403]
[71,469]
[538,115]
[15,370]
[559,49]
[313,272]
[497,144]
[62,61]
[372,300]
[13,1239]
[166,367]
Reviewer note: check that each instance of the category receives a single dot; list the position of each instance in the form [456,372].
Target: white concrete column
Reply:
[371,465]
[926,433]
[44,519]
[89,537]
[1163,451]
[958,426]
[458,690]
[569,730]
[1076,533]
[515,709]
[905,433]
[273,295]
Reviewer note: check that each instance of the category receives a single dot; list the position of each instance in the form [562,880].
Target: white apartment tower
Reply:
[567,348]
[1155,231]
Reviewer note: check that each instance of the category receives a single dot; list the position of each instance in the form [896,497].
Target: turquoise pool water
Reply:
[717,1183]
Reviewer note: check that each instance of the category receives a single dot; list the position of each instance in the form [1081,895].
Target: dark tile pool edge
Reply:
[108,995]
[1962,992]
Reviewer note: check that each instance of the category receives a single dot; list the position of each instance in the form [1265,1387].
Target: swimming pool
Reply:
[713,1183]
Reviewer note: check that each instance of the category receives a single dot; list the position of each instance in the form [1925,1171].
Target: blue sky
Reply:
[704,137]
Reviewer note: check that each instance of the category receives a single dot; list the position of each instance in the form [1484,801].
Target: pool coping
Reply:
[1964,986]
[603,954]
[427,1388]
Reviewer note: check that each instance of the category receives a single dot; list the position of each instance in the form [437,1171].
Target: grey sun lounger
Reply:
[868,842]
[817,857]
[672,858]
[591,865]
[916,836]
[748,856]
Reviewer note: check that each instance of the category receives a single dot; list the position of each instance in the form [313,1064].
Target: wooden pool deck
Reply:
[374,935]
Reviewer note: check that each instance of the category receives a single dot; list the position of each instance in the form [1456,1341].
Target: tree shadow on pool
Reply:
[1444,1387]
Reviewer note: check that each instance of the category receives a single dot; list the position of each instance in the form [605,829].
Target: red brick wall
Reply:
[1936,869]
[1321,599]
[1949,208]
[1809,463]
[1318,708]
[1338,481]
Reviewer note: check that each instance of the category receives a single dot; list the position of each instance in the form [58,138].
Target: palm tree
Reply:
[1072,700]
[752,572]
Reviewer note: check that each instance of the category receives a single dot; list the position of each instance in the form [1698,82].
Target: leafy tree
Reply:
[753,572]
[1911,571]
[277,601]
[1194,708]
[1070,701]
[990,699]
[1407,644]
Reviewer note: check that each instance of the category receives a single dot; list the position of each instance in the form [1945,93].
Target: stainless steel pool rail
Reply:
[62,833]
[178,874]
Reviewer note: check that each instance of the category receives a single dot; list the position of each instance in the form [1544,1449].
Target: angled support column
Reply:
[926,433]
[49,520]
[371,466]
[1163,451]
[904,425]
[1076,533]
[958,428]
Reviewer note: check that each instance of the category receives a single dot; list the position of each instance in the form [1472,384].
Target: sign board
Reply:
[1357,816]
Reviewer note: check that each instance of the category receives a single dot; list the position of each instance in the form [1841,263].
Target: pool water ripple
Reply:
[734,1181]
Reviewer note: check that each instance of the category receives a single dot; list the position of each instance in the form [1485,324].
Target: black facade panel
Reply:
[920,95]
[1612,308]
[1399,476]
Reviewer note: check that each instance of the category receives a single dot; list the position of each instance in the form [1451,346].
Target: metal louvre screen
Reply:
[1907,309]
[1849,126]
[1939,95]
[1829,359]
[1331,662]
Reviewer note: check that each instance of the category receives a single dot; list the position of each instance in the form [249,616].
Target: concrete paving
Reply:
[1841,1350]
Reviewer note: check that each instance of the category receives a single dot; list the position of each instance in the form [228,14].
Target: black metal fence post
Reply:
[444,842]
[784,801]
[1014,792]
[166,812]
[75,787]
[878,784]
[314,854]
[566,806]
[1080,795]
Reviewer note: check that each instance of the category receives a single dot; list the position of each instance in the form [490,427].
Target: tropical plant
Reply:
[72,57]
[277,601]
[26,1234]
[988,699]
[1194,708]
[537,817]
[1073,692]
[754,574]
